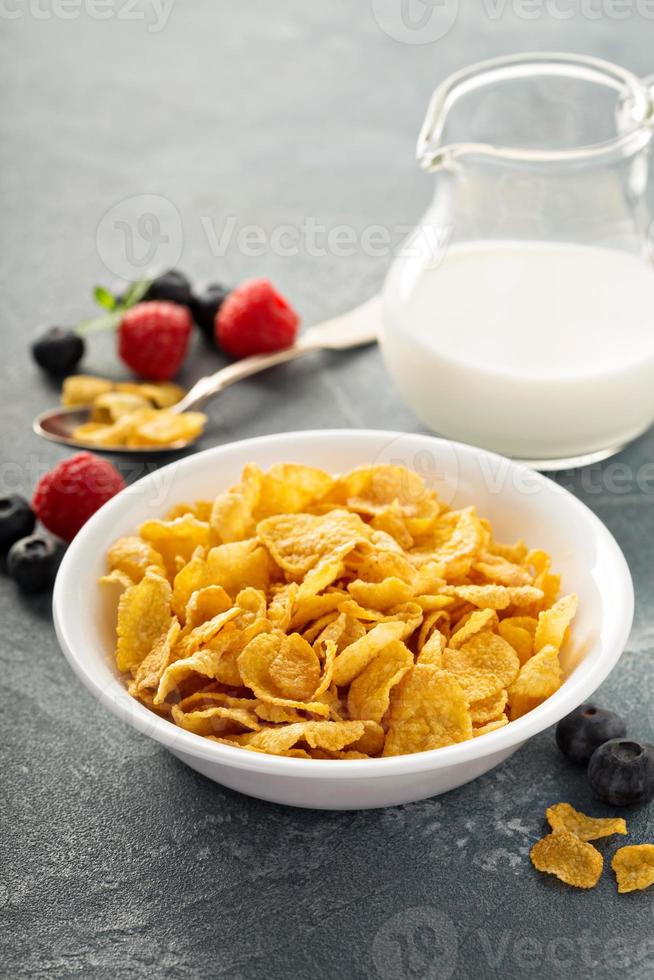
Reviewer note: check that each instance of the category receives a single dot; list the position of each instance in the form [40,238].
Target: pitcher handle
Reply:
[432,153]
[648,82]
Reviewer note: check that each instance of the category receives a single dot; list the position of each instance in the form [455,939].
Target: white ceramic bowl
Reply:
[519,502]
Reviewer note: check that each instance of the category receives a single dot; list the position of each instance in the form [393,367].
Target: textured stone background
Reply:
[117,860]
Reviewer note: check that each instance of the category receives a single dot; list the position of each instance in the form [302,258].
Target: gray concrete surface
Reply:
[116,860]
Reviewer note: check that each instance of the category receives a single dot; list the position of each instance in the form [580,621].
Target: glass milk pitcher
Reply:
[519,315]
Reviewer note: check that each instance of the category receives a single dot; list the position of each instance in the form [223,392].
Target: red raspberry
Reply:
[255,319]
[153,338]
[69,494]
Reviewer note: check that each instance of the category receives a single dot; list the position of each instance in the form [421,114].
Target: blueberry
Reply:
[16,520]
[33,562]
[621,772]
[586,728]
[172,286]
[58,350]
[205,303]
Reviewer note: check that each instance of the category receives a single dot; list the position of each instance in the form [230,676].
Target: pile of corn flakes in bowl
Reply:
[335,617]
[306,618]
[130,413]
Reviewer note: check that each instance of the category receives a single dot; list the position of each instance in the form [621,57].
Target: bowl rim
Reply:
[573,692]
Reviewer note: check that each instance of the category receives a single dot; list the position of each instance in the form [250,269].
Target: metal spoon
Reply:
[355,328]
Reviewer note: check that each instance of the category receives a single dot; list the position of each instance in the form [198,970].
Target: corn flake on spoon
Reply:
[355,328]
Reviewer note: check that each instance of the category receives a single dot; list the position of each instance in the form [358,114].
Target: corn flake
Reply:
[490,726]
[133,556]
[83,389]
[238,565]
[634,867]
[428,710]
[518,637]
[477,622]
[330,735]
[562,816]
[496,596]
[539,678]
[489,709]
[165,428]
[175,539]
[369,693]
[573,861]
[272,665]
[194,657]
[203,604]
[162,394]
[553,622]
[216,720]
[149,671]
[484,653]
[289,488]
[111,406]
[144,615]
[432,651]
[381,596]
[497,569]
[359,654]
[232,514]
[298,542]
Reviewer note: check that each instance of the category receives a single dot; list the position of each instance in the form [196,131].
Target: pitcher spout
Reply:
[634,111]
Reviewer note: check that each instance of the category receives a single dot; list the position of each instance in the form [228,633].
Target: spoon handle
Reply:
[352,329]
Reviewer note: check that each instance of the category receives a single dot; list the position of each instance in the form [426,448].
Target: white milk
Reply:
[534,350]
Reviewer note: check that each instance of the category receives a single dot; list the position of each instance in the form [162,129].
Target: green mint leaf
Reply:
[108,322]
[104,298]
[135,293]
